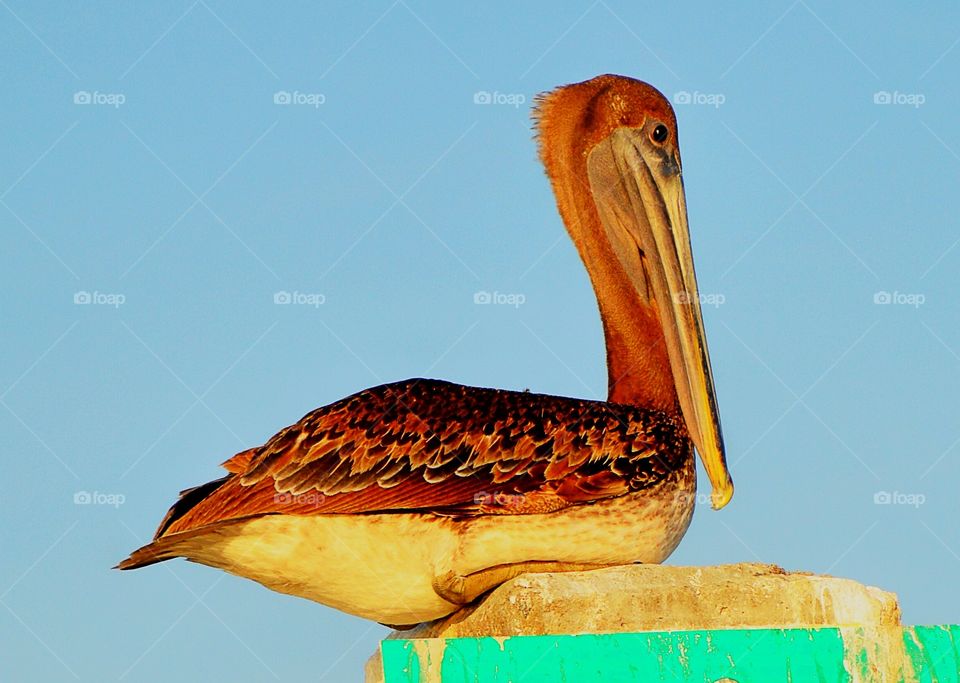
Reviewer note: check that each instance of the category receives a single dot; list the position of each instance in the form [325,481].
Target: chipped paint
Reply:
[430,655]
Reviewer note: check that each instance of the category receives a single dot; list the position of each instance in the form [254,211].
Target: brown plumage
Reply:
[431,446]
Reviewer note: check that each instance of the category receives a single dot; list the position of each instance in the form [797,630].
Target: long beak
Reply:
[639,195]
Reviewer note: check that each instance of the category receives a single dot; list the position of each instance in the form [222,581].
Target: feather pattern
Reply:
[432,446]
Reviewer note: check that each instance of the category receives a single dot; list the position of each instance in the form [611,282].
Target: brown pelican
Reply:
[406,501]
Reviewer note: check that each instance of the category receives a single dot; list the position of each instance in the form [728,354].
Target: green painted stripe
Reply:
[934,652]
[741,655]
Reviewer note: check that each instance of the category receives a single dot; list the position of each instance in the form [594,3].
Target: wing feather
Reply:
[432,446]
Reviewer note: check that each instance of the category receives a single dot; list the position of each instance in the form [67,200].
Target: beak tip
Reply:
[721,495]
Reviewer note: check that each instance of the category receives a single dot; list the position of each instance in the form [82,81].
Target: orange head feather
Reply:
[572,119]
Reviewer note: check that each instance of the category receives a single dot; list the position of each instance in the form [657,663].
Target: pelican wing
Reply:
[437,447]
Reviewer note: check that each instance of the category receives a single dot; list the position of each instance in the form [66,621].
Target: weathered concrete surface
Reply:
[660,598]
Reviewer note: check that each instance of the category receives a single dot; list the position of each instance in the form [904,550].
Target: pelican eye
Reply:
[659,134]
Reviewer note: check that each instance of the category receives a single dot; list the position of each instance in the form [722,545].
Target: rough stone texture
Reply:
[662,598]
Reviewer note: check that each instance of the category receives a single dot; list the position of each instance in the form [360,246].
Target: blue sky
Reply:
[170,171]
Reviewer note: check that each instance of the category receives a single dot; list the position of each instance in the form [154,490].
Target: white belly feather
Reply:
[382,566]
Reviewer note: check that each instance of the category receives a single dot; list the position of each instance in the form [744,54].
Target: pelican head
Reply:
[610,148]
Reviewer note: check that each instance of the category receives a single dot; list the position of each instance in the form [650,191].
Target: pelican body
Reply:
[406,501]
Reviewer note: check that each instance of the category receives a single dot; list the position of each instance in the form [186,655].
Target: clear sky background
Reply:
[147,169]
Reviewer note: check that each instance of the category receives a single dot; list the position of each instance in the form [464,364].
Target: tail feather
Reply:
[188,499]
[183,544]
[156,551]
